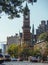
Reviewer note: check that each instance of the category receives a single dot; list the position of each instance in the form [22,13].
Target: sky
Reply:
[38,12]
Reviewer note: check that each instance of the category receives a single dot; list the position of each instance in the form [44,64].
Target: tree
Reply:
[13,50]
[13,7]
[44,36]
[23,51]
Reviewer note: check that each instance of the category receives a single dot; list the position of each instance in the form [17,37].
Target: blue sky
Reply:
[38,12]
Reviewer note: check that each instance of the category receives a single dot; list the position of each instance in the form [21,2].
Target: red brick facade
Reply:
[26,26]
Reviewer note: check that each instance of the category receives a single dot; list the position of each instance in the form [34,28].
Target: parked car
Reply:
[13,59]
[1,58]
[7,57]
[20,59]
[33,59]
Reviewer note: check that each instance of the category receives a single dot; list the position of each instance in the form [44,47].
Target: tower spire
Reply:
[26,26]
[33,35]
[26,9]
[33,29]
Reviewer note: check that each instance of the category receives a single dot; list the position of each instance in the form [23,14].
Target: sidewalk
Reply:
[45,62]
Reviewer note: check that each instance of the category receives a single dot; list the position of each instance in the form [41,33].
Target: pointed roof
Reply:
[26,9]
[33,29]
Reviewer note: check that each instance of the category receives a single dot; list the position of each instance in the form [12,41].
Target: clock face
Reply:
[26,16]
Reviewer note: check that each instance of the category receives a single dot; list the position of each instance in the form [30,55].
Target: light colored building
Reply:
[13,40]
[41,45]
[3,48]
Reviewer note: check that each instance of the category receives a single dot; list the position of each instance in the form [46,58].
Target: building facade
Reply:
[43,27]
[26,35]
[4,50]
[13,40]
[41,46]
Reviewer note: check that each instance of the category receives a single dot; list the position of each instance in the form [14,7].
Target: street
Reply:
[22,63]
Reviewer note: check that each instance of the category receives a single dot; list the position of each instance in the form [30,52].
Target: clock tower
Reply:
[26,36]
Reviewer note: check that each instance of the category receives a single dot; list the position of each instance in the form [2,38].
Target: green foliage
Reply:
[46,50]
[24,51]
[44,36]
[13,50]
[13,7]
[37,52]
